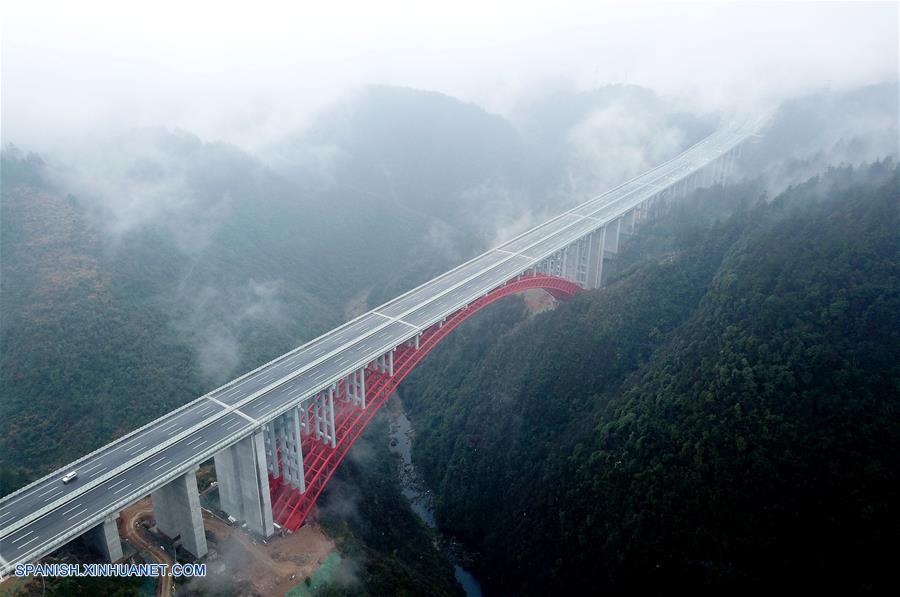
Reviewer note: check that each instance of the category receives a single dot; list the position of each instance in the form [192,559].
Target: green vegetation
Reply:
[79,365]
[157,266]
[386,549]
[720,416]
[723,418]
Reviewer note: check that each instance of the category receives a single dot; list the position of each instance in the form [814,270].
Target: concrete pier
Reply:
[241,472]
[105,538]
[176,507]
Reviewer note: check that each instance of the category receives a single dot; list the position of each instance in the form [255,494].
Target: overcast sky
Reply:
[249,71]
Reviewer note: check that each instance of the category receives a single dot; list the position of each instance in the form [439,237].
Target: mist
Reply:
[224,147]
[191,190]
[242,180]
[246,75]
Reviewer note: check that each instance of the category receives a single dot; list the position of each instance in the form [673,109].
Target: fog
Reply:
[221,148]
[246,73]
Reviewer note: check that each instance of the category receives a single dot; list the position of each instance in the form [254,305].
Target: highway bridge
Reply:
[278,433]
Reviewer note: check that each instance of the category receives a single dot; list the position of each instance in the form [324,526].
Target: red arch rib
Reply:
[290,507]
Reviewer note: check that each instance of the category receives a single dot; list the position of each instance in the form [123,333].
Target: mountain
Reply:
[146,267]
[723,417]
[149,265]
[829,127]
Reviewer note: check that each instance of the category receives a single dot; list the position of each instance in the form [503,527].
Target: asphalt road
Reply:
[42,516]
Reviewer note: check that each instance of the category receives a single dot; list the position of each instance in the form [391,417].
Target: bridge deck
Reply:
[43,515]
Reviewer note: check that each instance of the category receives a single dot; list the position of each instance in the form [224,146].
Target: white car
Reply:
[71,476]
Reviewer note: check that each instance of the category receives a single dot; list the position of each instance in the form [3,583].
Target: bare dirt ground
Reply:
[131,528]
[272,567]
[538,300]
[237,561]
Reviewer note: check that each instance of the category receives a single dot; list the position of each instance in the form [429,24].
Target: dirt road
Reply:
[131,529]
[237,560]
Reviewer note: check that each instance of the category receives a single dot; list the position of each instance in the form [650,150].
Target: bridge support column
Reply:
[611,244]
[595,265]
[558,260]
[292,470]
[571,259]
[733,156]
[323,413]
[356,385]
[584,259]
[176,507]
[105,539]
[629,222]
[716,167]
[244,484]
[271,444]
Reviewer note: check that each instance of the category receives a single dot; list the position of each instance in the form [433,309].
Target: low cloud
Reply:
[615,143]
[141,178]
[215,319]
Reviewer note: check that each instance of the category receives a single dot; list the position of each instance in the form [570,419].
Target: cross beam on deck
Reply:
[240,419]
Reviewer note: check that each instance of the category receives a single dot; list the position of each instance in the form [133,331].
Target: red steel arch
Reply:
[290,507]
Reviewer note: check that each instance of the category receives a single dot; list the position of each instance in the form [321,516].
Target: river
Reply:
[419,496]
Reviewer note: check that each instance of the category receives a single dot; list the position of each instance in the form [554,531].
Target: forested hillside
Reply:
[723,418]
[151,266]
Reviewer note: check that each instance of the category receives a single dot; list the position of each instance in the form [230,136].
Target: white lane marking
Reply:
[158,460]
[29,542]
[400,320]
[72,508]
[234,410]
[53,495]
[117,484]
[5,515]
[203,443]
[220,403]
[248,417]
[229,392]
[588,206]
[192,442]
[121,489]
[99,472]
[14,541]
[93,467]
[77,514]
[163,465]
[48,491]
[188,410]
[233,424]
[173,432]
[135,440]
[111,451]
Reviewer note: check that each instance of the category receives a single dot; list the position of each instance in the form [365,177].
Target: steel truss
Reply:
[364,392]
